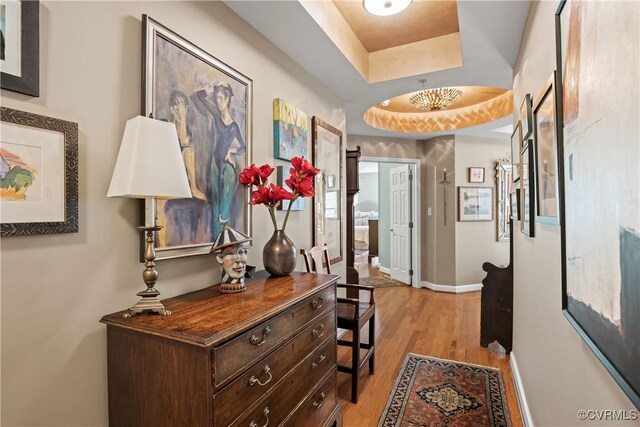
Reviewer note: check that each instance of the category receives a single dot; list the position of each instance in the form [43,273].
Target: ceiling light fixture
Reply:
[435,99]
[385,7]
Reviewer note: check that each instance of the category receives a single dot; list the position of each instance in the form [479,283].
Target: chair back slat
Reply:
[316,259]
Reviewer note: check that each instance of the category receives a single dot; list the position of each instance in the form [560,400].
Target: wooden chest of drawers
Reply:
[266,356]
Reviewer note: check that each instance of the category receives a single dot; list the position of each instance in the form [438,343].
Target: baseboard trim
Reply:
[384,270]
[522,398]
[450,288]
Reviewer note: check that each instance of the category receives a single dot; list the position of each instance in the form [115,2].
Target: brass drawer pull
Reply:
[317,303]
[257,341]
[266,414]
[314,365]
[253,380]
[318,403]
[318,332]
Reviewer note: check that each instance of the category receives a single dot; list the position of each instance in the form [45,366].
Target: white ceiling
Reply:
[490,33]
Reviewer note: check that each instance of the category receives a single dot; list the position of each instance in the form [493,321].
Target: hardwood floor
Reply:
[425,322]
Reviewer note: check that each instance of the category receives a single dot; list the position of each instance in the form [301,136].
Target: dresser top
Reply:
[209,317]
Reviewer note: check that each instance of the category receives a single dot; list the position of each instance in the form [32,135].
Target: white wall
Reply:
[56,288]
[476,241]
[368,187]
[561,375]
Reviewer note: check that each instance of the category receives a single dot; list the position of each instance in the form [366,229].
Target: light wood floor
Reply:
[425,322]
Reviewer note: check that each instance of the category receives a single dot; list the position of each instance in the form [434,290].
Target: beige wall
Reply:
[56,288]
[379,146]
[439,256]
[561,375]
[476,241]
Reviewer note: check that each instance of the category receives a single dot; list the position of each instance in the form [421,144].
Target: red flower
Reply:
[303,168]
[265,172]
[270,195]
[277,194]
[250,176]
[260,196]
[301,187]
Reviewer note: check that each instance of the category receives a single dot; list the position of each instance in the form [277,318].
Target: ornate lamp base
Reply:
[149,300]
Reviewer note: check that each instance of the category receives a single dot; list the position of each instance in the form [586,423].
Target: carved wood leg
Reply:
[355,361]
[372,341]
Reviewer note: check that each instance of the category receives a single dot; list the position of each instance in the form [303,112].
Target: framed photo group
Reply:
[534,159]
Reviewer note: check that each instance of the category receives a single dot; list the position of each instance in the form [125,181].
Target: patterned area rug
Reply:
[382,281]
[438,392]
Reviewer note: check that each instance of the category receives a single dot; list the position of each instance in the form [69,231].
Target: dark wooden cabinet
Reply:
[353,186]
[266,356]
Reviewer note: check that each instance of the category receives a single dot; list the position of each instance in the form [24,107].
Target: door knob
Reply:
[391,230]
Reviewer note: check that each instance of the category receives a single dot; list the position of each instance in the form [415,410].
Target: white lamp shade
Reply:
[150,162]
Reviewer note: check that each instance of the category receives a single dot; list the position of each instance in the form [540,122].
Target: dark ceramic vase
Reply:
[279,254]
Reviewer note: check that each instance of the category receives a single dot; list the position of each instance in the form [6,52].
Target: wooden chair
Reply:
[352,313]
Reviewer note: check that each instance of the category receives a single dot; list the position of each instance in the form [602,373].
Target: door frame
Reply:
[416,257]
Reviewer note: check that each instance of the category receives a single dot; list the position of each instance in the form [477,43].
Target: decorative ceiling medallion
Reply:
[477,105]
[435,99]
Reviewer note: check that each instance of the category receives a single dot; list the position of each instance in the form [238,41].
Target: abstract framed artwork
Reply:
[476,175]
[525,117]
[327,203]
[598,170]
[516,147]
[290,131]
[527,190]
[298,204]
[475,204]
[210,104]
[20,46]
[38,174]
[544,131]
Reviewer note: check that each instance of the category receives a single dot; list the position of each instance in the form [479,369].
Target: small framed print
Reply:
[515,204]
[527,190]
[526,117]
[331,181]
[476,175]
[475,204]
[20,46]
[38,174]
[516,146]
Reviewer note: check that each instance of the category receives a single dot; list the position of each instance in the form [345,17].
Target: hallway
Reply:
[425,322]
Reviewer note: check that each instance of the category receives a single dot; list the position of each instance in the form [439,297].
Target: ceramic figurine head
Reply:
[231,246]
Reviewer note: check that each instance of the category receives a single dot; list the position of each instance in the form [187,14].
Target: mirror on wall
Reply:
[504,186]
[327,204]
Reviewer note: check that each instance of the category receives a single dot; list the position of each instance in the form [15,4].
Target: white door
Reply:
[400,223]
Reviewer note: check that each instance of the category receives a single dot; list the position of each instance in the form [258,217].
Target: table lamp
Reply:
[149,165]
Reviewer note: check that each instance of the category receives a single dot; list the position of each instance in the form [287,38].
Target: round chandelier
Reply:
[435,99]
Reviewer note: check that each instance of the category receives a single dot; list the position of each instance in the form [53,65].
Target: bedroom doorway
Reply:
[377,242]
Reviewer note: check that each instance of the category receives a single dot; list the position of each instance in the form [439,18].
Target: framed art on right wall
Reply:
[544,131]
[598,170]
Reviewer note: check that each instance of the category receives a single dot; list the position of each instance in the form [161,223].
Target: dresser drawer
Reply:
[286,396]
[243,351]
[266,374]
[317,407]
